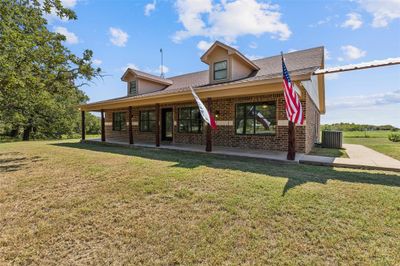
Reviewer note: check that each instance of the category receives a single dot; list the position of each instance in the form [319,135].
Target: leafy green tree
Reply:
[40,78]
[92,124]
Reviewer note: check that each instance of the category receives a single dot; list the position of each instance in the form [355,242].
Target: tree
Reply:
[40,78]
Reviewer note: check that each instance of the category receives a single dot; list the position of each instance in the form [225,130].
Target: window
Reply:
[132,87]
[147,122]
[190,120]
[256,118]
[220,70]
[119,121]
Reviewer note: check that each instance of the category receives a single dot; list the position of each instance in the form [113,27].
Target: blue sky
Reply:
[125,33]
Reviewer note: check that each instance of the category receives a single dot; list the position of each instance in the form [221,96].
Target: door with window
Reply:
[167,124]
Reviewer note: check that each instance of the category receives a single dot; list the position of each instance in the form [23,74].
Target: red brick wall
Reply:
[225,135]
[122,135]
[138,136]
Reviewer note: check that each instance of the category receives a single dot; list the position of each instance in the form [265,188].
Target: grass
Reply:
[329,152]
[4,139]
[367,134]
[382,145]
[62,202]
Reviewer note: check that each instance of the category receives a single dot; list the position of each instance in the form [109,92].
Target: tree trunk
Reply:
[14,133]
[27,133]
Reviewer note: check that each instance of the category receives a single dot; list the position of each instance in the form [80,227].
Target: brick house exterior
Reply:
[246,82]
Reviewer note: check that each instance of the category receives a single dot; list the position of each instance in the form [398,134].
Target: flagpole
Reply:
[291,155]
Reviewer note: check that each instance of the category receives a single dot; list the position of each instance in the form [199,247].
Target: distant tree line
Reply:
[356,127]
[40,79]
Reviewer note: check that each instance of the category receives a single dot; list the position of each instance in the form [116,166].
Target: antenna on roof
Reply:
[162,64]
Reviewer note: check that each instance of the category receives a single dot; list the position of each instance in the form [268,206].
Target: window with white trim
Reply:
[133,87]
[256,118]
[221,70]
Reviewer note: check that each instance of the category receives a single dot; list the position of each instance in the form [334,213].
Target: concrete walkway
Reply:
[359,157]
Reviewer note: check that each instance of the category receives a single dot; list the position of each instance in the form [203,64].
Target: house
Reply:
[245,96]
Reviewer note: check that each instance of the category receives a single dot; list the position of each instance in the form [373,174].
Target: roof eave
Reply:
[166,82]
[96,106]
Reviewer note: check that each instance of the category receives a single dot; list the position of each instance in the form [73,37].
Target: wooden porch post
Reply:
[130,125]
[208,128]
[103,126]
[291,155]
[83,125]
[157,125]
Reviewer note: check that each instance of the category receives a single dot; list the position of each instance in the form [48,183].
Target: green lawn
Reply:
[4,139]
[367,134]
[62,203]
[382,145]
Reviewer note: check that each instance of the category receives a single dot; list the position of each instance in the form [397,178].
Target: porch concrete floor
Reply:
[227,151]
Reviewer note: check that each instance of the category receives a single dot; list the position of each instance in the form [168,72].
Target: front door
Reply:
[167,124]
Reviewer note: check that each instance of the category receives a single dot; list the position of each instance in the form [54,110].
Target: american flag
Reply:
[294,111]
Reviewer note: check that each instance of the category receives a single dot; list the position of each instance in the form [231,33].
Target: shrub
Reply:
[395,137]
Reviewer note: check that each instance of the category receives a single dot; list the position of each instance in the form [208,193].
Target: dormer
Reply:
[139,82]
[225,63]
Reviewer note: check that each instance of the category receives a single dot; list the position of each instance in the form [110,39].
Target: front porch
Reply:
[152,125]
[277,156]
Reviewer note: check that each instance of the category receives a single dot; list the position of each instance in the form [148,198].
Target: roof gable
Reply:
[146,76]
[231,51]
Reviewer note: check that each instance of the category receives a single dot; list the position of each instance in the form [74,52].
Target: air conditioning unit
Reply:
[332,139]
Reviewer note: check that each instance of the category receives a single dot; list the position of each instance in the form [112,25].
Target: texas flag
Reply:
[203,111]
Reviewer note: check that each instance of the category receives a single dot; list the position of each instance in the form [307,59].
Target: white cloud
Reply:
[321,22]
[97,62]
[332,76]
[253,57]
[327,54]
[71,38]
[118,37]
[383,11]
[292,50]
[353,21]
[53,15]
[383,115]
[253,45]
[351,52]
[157,70]
[129,65]
[69,3]
[150,7]
[391,97]
[203,45]
[229,19]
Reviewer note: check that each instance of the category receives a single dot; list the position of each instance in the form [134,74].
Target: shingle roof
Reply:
[147,76]
[298,63]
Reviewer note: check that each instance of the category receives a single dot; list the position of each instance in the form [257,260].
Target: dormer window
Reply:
[220,70]
[138,82]
[219,57]
[132,87]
